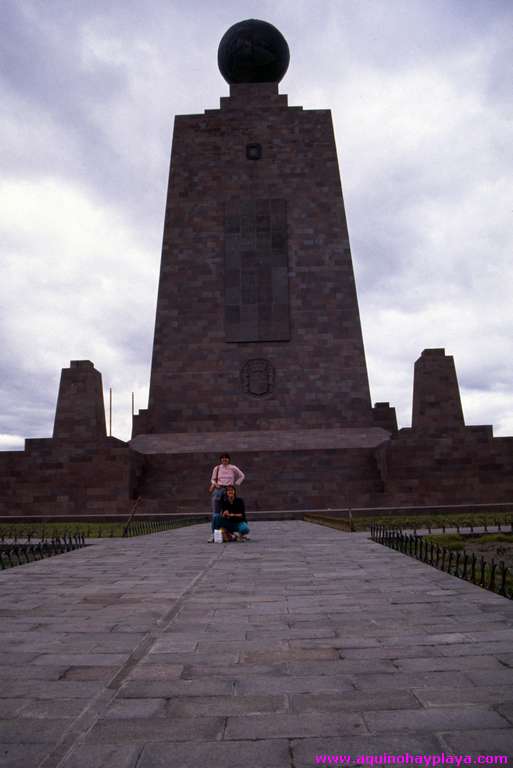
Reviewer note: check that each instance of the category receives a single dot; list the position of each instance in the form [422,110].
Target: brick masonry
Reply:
[226,298]
[277,478]
[131,653]
[436,395]
[80,471]
[64,477]
[80,412]
[258,351]
[440,460]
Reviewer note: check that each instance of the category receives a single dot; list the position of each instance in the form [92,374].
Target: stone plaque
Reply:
[256,274]
[257,377]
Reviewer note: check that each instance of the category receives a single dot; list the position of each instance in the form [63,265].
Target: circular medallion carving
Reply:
[257,377]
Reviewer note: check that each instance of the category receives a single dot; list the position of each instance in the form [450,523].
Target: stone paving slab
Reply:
[164,650]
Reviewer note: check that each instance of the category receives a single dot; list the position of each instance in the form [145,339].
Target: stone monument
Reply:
[258,347]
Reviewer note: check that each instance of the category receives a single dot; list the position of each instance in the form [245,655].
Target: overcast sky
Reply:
[420,92]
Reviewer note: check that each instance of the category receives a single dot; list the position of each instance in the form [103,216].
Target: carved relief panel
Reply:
[256,297]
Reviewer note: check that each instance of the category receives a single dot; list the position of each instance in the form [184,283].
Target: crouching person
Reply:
[234,525]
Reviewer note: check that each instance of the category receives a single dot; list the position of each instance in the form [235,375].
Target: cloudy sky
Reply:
[420,92]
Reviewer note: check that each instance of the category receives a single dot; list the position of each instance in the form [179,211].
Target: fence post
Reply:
[491,585]
[502,589]
[483,571]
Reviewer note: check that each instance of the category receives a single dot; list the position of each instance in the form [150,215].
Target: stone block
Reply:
[479,741]
[294,726]
[434,719]
[9,708]
[483,694]
[272,753]
[31,731]
[208,706]
[293,683]
[123,709]
[103,756]
[145,730]
[408,680]
[157,672]
[45,709]
[351,700]
[467,663]
[22,755]
[215,686]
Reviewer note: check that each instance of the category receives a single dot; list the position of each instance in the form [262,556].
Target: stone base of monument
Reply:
[285,470]
[80,472]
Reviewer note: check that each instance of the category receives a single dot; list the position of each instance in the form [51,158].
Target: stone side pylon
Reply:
[79,472]
[439,460]
[436,393]
[80,412]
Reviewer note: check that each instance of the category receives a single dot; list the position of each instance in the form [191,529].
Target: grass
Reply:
[507,537]
[456,541]
[54,530]
[415,521]
[89,530]
[340,524]
[453,541]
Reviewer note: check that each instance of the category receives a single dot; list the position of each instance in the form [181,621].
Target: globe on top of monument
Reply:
[253,51]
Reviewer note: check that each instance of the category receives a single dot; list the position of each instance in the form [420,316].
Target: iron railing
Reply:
[496,577]
[143,527]
[497,525]
[16,553]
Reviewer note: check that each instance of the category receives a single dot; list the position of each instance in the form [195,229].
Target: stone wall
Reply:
[79,471]
[61,477]
[281,480]
[462,466]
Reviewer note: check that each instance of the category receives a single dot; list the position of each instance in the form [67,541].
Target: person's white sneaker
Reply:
[211,540]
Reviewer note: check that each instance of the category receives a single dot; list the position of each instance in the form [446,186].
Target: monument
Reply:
[258,346]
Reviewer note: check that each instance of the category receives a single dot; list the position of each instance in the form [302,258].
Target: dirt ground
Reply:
[496,550]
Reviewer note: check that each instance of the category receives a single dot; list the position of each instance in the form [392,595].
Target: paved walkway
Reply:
[165,651]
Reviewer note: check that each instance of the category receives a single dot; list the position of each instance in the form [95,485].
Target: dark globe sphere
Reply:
[253,51]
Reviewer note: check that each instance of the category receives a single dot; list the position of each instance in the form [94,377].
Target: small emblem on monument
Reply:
[257,377]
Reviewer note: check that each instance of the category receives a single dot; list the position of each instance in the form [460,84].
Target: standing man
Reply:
[223,475]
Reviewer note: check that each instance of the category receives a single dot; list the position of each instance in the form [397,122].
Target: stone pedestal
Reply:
[286,470]
[78,472]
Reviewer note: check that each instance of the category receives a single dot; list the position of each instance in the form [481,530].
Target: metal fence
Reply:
[496,524]
[142,527]
[493,576]
[17,553]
